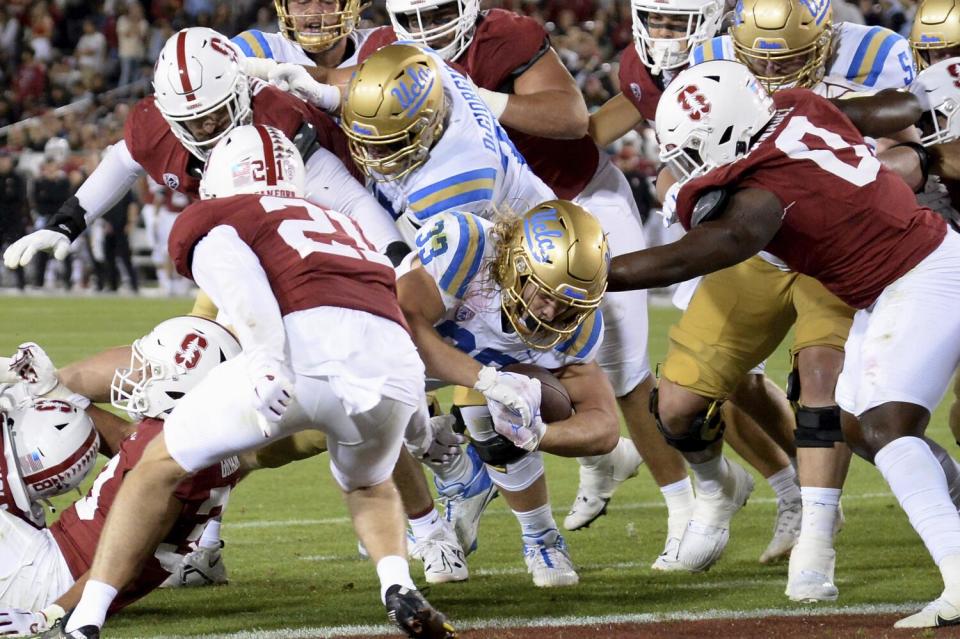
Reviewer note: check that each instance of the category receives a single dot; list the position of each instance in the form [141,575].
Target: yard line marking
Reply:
[560,622]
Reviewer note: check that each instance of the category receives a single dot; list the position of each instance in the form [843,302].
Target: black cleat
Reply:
[415,616]
[57,631]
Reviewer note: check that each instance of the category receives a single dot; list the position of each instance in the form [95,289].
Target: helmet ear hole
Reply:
[175,395]
[727,134]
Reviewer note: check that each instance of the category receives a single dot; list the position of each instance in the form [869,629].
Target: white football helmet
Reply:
[938,89]
[703,21]
[169,361]
[198,75]
[254,159]
[54,443]
[708,115]
[449,38]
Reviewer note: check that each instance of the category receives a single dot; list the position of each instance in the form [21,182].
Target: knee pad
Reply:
[706,428]
[518,475]
[818,427]
[493,448]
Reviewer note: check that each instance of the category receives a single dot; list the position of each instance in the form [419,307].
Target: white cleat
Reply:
[786,531]
[548,560]
[937,613]
[442,557]
[708,532]
[668,560]
[598,483]
[200,567]
[463,504]
[810,577]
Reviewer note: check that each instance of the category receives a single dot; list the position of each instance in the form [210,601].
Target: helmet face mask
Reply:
[447,26]
[936,89]
[552,271]
[665,32]
[167,362]
[782,41]
[935,34]
[316,32]
[394,112]
[200,89]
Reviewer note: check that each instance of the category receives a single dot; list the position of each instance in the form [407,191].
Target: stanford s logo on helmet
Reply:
[191,350]
[693,102]
[254,159]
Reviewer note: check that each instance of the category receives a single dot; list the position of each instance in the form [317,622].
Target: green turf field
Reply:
[292,555]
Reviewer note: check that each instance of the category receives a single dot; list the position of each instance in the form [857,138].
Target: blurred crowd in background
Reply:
[70,69]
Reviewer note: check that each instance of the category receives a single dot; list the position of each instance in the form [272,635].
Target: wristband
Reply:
[496,102]
[69,219]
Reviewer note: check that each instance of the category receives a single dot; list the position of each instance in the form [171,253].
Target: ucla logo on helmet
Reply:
[540,236]
[413,87]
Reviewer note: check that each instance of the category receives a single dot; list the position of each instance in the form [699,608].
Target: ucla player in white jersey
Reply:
[421,133]
[481,295]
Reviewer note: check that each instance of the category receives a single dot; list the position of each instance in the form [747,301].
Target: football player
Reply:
[481,295]
[746,162]
[324,346]
[664,34]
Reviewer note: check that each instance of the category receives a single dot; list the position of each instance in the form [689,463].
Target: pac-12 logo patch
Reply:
[635,90]
[171,180]
[464,314]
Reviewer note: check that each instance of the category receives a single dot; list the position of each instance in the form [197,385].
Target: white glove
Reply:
[297,80]
[33,367]
[668,210]
[517,392]
[258,67]
[22,251]
[443,445]
[17,622]
[272,393]
[507,422]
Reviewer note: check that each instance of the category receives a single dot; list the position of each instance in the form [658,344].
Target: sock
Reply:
[821,507]
[457,473]
[710,475]
[680,502]
[426,525]
[92,609]
[950,571]
[784,484]
[211,535]
[393,570]
[917,480]
[951,471]
[534,523]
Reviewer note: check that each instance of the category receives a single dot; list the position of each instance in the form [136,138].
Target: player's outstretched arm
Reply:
[594,428]
[882,114]
[742,228]
[613,120]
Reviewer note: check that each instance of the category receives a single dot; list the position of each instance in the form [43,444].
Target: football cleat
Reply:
[464,503]
[442,556]
[415,616]
[56,631]
[708,531]
[200,567]
[598,483]
[549,561]
[786,531]
[937,613]
[810,577]
[668,560]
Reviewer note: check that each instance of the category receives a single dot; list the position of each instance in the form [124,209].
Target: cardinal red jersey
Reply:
[504,46]
[202,497]
[637,85]
[154,146]
[312,257]
[847,220]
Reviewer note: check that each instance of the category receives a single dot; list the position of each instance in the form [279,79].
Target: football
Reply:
[555,404]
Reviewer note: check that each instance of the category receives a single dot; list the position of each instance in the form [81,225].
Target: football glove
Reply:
[258,67]
[506,422]
[517,392]
[272,394]
[22,251]
[17,622]
[295,79]
[442,445]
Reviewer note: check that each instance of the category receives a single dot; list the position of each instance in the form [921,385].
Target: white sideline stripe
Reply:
[558,622]
[642,505]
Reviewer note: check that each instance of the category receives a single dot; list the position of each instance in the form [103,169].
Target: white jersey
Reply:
[276,46]
[456,249]
[865,59]
[474,167]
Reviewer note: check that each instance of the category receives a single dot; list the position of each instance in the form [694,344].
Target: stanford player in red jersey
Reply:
[793,175]
[324,347]
[201,93]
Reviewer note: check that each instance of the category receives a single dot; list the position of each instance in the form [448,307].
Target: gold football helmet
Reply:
[394,111]
[936,25]
[785,43]
[318,31]
[552,261]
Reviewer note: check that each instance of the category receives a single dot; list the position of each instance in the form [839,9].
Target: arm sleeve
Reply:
[227,270]
[330,185]
[110,181]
